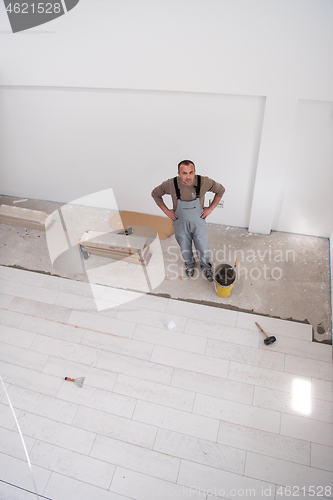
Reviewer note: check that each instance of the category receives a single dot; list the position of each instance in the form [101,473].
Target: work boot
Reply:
[189,272]
[208,274]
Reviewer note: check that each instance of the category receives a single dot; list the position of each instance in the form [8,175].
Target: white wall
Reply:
[307,193]
[116,91]
[331,264]
[130,141]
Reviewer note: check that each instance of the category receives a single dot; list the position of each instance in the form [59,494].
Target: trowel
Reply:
[77,381]
[232,270]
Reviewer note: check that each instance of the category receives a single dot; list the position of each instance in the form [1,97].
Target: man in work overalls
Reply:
[188,214]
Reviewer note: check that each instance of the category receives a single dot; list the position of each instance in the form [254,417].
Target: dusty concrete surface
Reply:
[281,275]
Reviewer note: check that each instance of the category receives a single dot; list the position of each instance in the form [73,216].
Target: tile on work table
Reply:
[22,357]
[30,292]
[98,399]
[123,429]
[262,377]
[15,471]
[237,413]
[200,451]
[10,318]
[151,318]
[212,386]
[274,326]
[298,402]
[5,300]
[176,420]
[140,486]
[57,433]
[16,336]
[41,404]
[265,443]
[83,288]
[222,483]
[322,457]
[82,303]
[66,350]
[170,338]
[99,323]
[307,429]
[202,312]
[285,473]
[226,333]
[11,444]
[121,345]
[30,379]
[75,465]
[136,458]
[300,348]
[135,367]
[244,354]
[39,309]
[309,367]
[61,487]
[53,329]
[94,377]
[22,276]
[154,392]
[190,361]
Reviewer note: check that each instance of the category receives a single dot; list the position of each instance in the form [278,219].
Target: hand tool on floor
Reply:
[77,381]
[268,340]
[126,231]
[232,270]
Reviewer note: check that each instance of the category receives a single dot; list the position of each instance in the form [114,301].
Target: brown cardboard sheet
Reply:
[151,224]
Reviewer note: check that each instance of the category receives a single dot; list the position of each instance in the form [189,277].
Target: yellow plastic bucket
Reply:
[223,284]
[223,291]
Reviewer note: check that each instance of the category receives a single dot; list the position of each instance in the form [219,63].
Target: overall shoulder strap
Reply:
[198,187]
[176,188]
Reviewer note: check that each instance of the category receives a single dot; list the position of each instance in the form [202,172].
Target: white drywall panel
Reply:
[331,266]
[272,162]
[307,204]
[64,144]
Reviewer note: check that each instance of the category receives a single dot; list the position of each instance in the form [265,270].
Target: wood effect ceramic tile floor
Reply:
[200,410]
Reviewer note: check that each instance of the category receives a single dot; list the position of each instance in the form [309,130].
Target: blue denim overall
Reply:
[191,227]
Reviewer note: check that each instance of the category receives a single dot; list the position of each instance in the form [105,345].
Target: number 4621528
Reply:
[310,491]
[34,8]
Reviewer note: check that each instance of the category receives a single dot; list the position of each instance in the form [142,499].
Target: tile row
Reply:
[81,475]
[49,289]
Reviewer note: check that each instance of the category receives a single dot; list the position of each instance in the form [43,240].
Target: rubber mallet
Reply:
[268,340]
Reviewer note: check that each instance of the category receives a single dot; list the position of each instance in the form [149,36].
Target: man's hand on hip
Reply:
[206,211]
[171,214]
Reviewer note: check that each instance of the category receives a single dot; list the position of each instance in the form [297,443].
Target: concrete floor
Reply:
[282,275]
